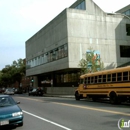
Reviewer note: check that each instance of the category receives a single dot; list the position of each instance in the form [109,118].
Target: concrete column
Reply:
[35,81]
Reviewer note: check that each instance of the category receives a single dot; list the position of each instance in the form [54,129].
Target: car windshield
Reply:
[6,101]
[34,90]
[11,90]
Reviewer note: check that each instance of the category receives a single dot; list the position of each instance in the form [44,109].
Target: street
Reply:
[54,113]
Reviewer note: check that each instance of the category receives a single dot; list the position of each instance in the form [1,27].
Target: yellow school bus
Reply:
[113,84]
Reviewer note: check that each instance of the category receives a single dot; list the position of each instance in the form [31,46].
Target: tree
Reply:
[91,62]
[12,73]
[6,76]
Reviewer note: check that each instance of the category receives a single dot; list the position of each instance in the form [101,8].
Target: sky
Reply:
[21,19]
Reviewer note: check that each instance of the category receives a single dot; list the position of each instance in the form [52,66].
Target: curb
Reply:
[62,96]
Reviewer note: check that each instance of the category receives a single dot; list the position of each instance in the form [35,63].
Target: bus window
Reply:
[114,77]
[92,80]
[88,80]
[85,81]
[119,77]
[109,78]
[129,75]
[99,78]
[125,76]
[81,81]
[104,78]
[95,79]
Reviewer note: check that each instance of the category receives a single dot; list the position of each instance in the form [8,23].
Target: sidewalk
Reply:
[57,95]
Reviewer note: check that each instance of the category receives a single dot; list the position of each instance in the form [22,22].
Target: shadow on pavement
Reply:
[7,127]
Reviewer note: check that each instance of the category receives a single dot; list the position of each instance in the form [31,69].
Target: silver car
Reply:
[9,91]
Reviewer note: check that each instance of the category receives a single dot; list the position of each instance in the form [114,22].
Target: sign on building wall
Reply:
[94,59]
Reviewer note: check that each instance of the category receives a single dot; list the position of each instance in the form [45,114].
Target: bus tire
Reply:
[94,98]
[113,98]
[77,96]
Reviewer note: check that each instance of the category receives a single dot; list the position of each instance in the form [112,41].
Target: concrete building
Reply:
[54,52]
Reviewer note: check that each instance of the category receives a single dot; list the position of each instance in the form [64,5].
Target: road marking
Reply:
[47,120]
[94,109]
[32,99]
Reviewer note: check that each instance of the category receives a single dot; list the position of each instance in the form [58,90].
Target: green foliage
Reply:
[90,63]
[12,73]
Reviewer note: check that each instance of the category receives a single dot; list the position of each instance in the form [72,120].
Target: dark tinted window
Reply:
[99,78]
[114,77]
[104,78]
[108,77]
[125,76]
[125,51]
[6,101]
[128,29]
[119,76]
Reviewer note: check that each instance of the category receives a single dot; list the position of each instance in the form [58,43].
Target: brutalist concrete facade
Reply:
[78,30]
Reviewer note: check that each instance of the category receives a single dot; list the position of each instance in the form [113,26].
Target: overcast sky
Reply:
[20,19]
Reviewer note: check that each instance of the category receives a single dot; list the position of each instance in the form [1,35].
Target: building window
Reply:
[62,51]
[59,53]
[42,59]
[81,6]
[65,50]
[31,63]
[127,12]
[35,61]
[52,55]
[38,60]
[128,29]
[46,58]
[125,51]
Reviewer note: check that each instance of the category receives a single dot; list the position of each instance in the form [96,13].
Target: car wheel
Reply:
[77,96]
[113,98]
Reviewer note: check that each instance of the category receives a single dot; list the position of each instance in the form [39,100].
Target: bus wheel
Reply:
[113,98]
[77,96]
[94,99]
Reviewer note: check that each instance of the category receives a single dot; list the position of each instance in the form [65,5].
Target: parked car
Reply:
[3,90]
[10,112]
[18,91]
[36,92]
[40,91]
[32,92]
[9,91]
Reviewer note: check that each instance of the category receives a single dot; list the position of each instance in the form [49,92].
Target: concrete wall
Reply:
[103,33]
[93,9]
[52,35]
[61,90]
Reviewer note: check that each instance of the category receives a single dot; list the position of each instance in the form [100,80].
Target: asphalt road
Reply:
[55,113]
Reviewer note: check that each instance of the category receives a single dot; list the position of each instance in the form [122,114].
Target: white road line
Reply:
[47,120]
